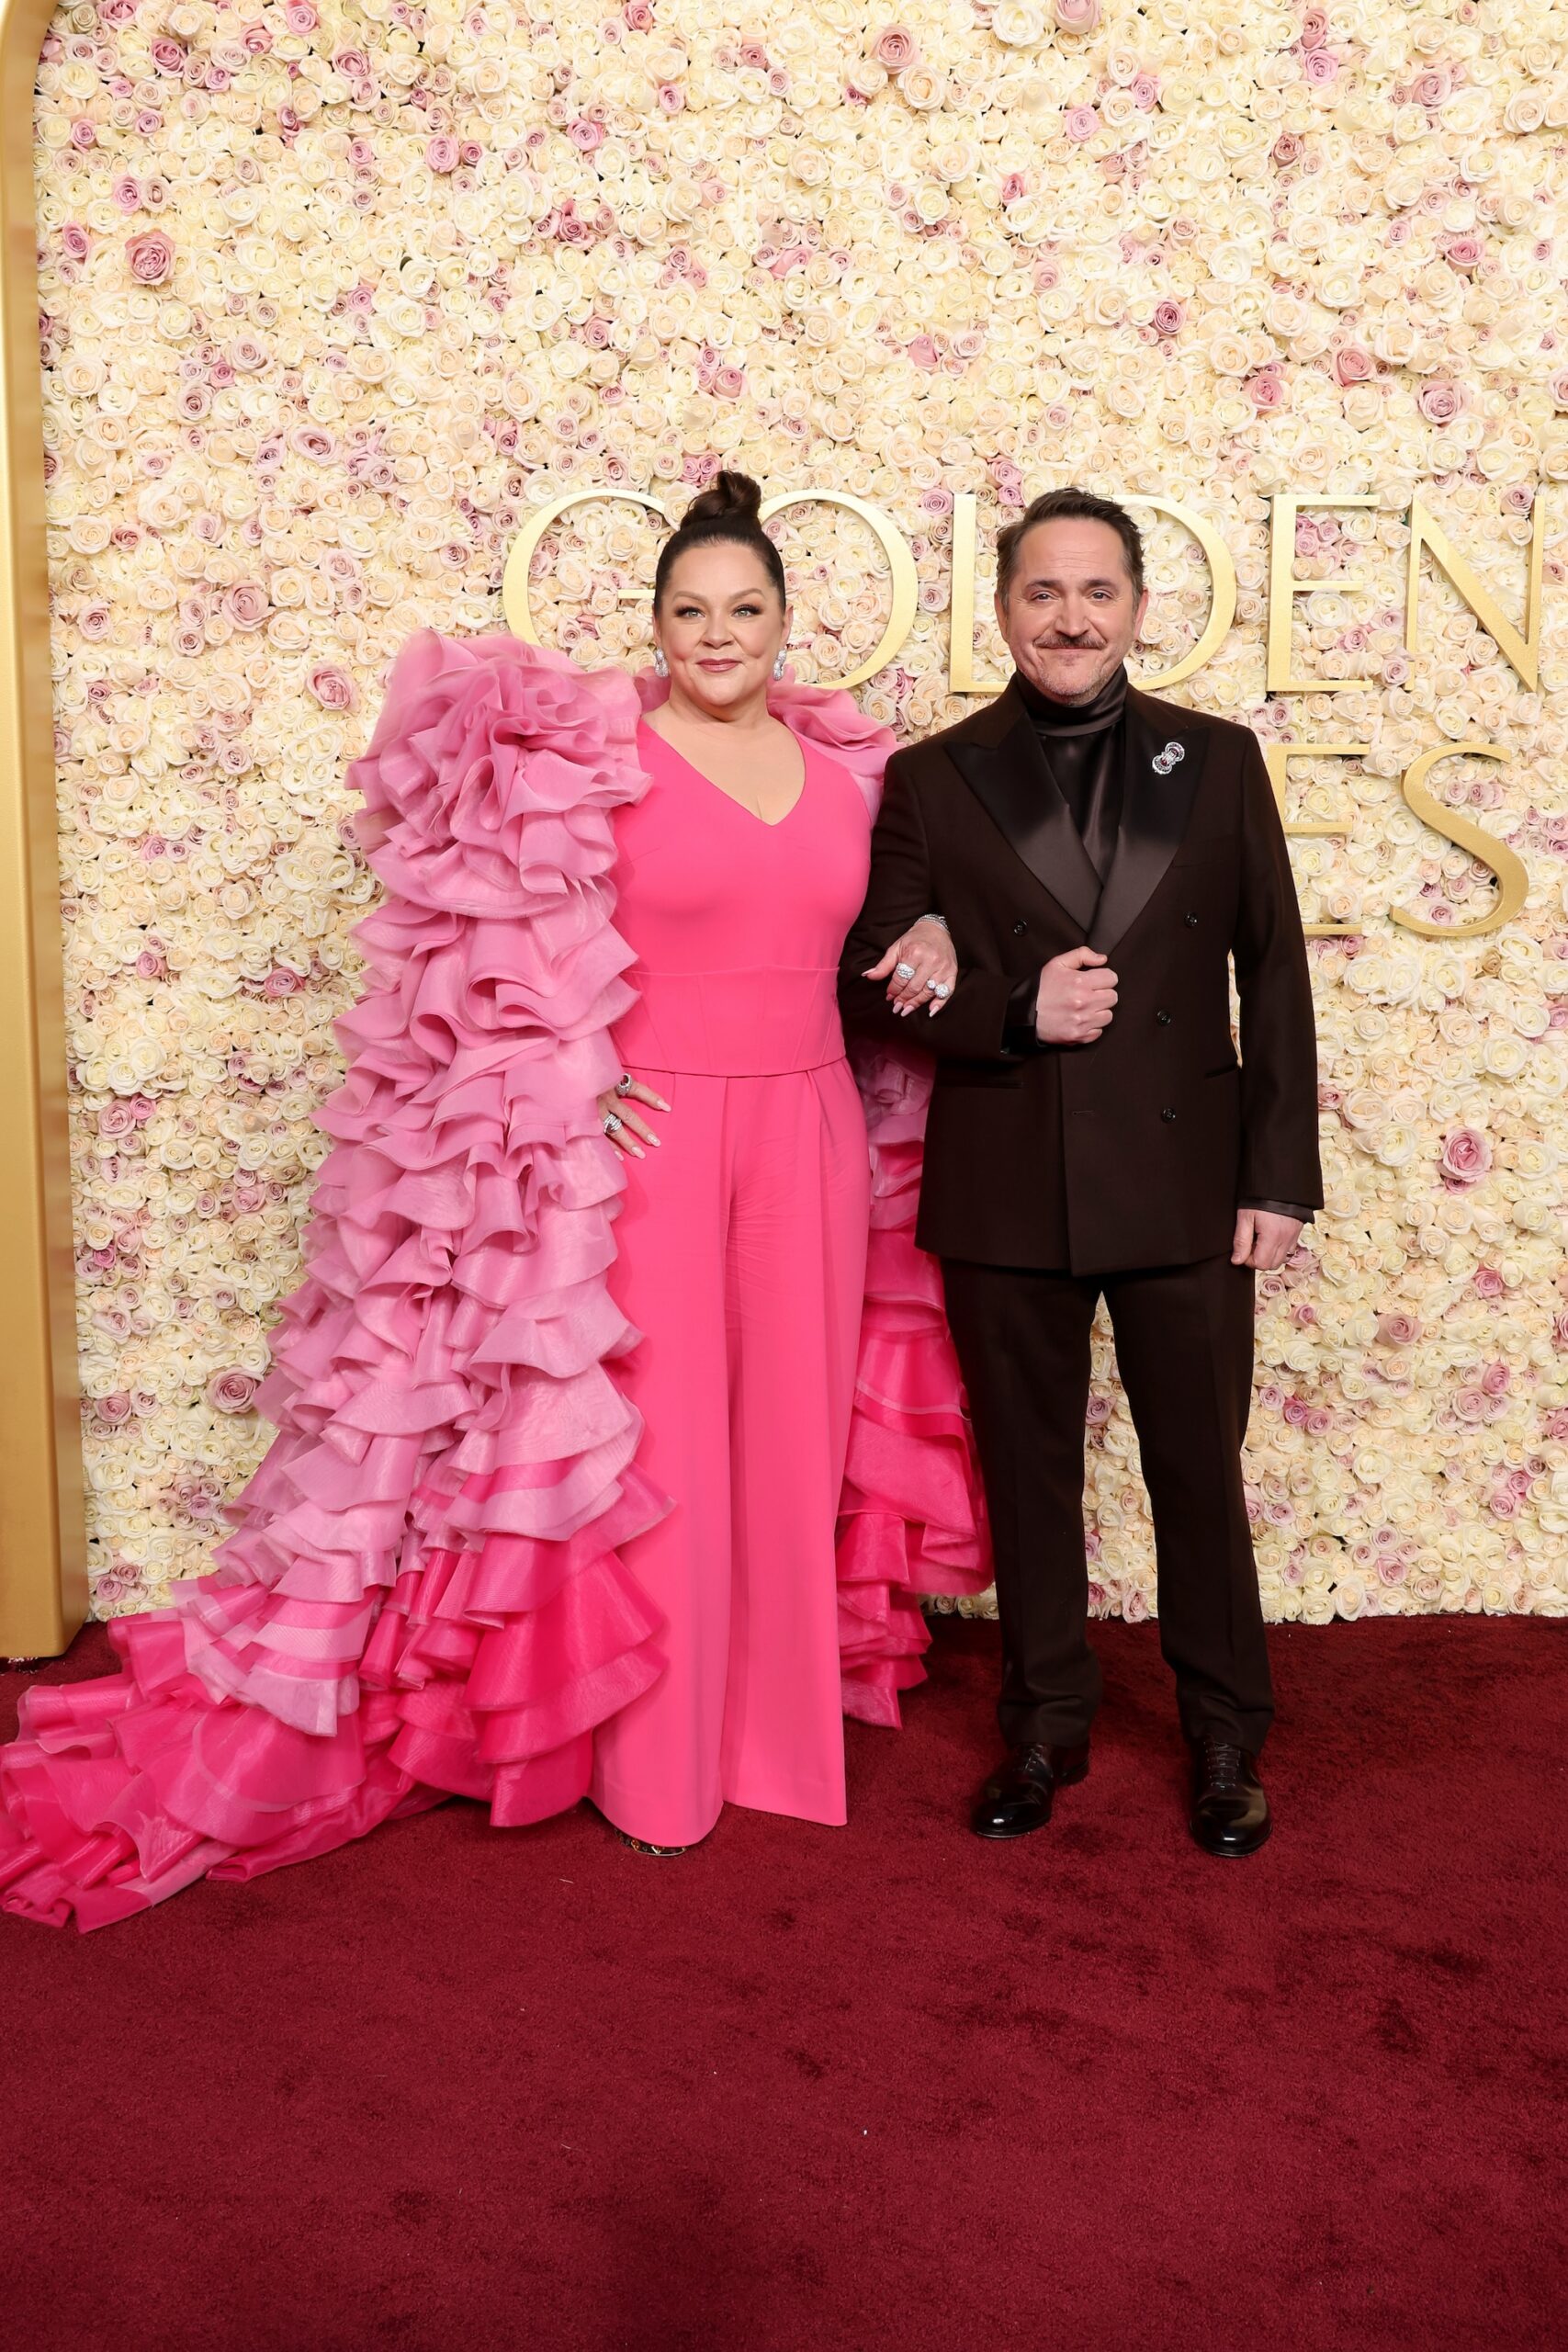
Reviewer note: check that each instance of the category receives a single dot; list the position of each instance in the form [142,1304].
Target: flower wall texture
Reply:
[334,296]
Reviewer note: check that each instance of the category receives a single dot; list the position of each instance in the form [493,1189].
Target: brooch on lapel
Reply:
[1165,761]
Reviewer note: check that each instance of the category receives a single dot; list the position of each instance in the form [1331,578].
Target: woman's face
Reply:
[720,625]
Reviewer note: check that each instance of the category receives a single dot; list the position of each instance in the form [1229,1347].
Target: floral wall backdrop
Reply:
[333,297]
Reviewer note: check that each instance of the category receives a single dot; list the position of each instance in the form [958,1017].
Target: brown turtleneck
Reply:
[1082,742]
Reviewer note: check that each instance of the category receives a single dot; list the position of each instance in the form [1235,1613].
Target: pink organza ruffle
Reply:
[423,1595]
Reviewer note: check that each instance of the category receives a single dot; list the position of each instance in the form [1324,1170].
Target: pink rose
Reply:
[1494,1380]
[1464,253]
[1471,1404]
[896,48]
[1489,1282]
[1314,29]
[113,1410]
[1439,402]
[585,134]
[442,154]
[277,983]
[1432,87]
[150,255]
[924,353]
[1170,317]
[1351,364]
[639,16]
[728,384]
[332,687]
[1080,122]
[246,605]
[1078,15]
[116,1119]
[1399,1330]
[1286,150]
[1145,91]
[1466,1156]
[671,97]
[1320,66]
[1266,391]
[300,16]
[231,1392]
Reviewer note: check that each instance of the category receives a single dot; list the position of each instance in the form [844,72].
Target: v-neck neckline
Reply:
[768,824]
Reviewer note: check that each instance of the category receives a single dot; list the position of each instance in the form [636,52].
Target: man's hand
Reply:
[1262,1239]
[1077,991]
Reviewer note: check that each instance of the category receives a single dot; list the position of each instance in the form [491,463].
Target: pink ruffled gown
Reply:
[425,1596]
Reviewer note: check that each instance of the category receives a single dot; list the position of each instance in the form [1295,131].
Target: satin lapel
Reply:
[1008,776]
[1155,810]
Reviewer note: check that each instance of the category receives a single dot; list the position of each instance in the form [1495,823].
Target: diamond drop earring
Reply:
[661,667]
[779,664]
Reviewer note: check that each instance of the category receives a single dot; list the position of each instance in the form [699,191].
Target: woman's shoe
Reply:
[641,1845]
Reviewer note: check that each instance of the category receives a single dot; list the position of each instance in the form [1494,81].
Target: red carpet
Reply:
[451,2089]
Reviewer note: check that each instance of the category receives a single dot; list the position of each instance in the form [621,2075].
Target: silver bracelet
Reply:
[933,918]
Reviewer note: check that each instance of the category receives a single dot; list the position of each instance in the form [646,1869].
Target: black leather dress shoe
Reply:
[1018,1796]
[1230,1811]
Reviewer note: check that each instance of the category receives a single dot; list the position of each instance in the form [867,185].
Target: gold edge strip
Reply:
[43,1581]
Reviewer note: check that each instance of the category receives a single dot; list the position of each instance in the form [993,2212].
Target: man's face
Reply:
[1070,614]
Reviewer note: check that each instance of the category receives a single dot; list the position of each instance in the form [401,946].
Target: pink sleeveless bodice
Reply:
[736,925]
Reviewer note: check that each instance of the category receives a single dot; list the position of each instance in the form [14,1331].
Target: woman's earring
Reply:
[779,664]
[661,667]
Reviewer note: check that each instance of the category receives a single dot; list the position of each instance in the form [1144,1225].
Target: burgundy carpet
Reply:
[455,2091]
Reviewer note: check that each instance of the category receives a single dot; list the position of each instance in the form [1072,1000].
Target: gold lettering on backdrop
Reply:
[1521,646]
[961,678]
[1512,882]
[1222,591]
[1284,588]
[1524,652]
[894,546]
[515,579]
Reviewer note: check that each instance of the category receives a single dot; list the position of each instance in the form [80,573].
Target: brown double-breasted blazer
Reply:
[1137,1149]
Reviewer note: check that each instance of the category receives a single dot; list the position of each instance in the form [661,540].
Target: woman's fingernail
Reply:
[656,1141]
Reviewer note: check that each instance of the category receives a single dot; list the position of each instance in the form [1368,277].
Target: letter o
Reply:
[906,583]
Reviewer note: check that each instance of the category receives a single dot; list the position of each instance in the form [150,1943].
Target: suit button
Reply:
[1019,929]
[1164,1020]
[1192,922]
[1168,1113]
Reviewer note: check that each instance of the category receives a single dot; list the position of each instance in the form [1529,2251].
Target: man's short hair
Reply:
[1075,505]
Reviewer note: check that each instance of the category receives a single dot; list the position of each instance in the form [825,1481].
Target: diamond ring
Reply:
[623,1086]
[903,971]
[614,1123]
[940,988]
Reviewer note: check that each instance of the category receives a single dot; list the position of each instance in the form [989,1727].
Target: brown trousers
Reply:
[1184,1352]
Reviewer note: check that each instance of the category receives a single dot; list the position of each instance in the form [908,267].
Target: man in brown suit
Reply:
[1102,860]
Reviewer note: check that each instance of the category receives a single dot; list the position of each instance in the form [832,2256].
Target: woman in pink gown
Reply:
[464,1567]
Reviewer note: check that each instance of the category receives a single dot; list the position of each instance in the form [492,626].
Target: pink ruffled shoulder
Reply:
[423,1595]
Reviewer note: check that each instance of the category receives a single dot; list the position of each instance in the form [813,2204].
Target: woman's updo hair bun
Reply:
[729,498]
[727,513]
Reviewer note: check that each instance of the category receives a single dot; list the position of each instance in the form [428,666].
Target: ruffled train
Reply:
[423,1596]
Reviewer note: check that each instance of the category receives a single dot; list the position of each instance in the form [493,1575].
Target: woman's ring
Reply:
[623,1085]
[940,988]
[614,1123]
[903,971]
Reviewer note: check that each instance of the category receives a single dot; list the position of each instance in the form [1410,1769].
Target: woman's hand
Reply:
[922,966]
[621,1123]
